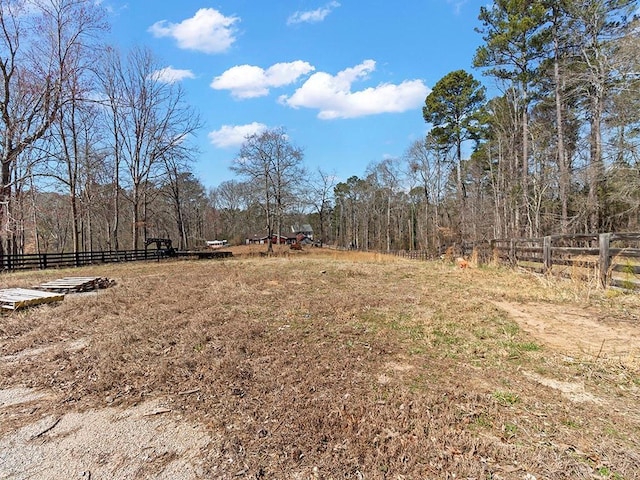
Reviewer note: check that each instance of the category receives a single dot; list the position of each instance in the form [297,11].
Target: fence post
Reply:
[546,254]
[604,241]
[512,252]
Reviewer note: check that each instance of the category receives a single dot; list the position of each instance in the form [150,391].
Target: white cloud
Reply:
[234,135]
[312,16]
[332,95]
[208,31]
[171,75]
[249,81]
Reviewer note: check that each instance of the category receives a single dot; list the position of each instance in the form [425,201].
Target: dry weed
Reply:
[330,365]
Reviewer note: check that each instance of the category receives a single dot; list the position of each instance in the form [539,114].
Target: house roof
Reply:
[264,236]
[305,227]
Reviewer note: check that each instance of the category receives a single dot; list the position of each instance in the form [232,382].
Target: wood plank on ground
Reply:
[16,298]
[75,284]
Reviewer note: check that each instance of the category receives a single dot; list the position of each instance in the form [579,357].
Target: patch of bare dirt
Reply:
[145,441]
[577,331]
[71,346]
[574,391]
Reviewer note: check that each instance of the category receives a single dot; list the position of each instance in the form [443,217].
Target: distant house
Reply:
[256,238]
[299,233]
[262,239]
[303,229]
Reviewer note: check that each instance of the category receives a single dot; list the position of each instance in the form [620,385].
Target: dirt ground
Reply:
[320,367]
[575,330]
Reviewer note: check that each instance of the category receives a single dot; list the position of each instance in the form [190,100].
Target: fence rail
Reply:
[79,259]
[414,254]
[611,258]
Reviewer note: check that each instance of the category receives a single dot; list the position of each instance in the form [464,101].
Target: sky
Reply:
[345,79]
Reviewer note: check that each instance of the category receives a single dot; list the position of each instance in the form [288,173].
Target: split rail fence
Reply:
[613,259]
[610,259]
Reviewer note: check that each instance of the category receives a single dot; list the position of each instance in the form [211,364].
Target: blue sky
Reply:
[347,79]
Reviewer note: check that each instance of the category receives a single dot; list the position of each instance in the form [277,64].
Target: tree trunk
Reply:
[596,167]
[75,224]
[5,209]
[461,194]
[563,167]
[525,165]
[388,229]
[116,205]
[135,227]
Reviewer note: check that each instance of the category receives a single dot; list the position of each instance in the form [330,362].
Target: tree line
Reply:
[555,151]
[96,146]
[95,143]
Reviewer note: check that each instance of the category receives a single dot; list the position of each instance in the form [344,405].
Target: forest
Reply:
[97,150]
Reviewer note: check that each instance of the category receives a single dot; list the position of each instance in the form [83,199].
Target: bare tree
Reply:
[385,176]
[233,200]
[354,207]
[597,27]
[109,72]
[430,166]
[558,39]
[151,121]
[514,34]
[182,189]
[319,193]
[270,162]
[40,42]
[75,135]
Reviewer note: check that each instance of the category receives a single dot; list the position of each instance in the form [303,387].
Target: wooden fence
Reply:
[79,259]
[464,249]
[414,254]
[612,259]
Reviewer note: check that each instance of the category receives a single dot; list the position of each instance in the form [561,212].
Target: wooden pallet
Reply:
[16,298]
[75,284]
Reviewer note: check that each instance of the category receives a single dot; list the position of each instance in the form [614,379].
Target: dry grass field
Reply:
[320,365]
